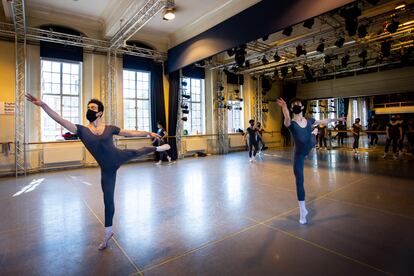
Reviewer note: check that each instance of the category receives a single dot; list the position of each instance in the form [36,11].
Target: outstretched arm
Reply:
[327,121]
[138,133]
[55,116]
[280,102]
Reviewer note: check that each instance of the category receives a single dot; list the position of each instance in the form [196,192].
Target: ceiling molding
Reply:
[7,10]
[91,26]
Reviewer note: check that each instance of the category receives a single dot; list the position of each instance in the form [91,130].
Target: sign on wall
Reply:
[6,108]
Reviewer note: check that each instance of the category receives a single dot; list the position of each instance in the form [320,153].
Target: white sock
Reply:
[303,212]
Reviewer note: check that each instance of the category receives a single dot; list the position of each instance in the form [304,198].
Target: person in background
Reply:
[341,128]
[373,126]
[401,122]
[251,131]
[410,135]
[322,133]
[159,142]
[394,133]
[260,142]
[356,131]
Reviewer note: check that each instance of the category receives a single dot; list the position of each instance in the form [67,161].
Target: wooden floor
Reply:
[217,215]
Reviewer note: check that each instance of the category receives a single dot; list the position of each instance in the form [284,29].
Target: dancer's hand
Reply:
[154,135]
[281,102]
[34,100]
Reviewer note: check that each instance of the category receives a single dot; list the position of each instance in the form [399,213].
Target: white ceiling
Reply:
[192,16]
[92,8]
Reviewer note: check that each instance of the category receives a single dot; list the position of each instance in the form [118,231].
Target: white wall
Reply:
[385,82]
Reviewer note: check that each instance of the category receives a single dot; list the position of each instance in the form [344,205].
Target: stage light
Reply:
[327,59]
[264,60]
[276,57]
[230,52]
[392,27]
[309,23]
[300,51]
[340,42]
[362,31]
[294,70]
[287,31]
[321,47]
[266,37]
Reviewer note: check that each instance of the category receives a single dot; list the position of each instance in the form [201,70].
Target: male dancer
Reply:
[97,138]
[251,131]
[305,140]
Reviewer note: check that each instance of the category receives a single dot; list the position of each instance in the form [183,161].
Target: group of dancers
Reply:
[98,140]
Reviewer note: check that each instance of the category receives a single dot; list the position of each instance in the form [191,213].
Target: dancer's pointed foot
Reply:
[104,244]
[303,214]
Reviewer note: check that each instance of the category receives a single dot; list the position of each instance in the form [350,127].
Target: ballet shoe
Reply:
[164,147]
[303,215]
[104,244]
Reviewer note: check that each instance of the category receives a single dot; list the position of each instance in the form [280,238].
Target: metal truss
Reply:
[222,116]
[19,19]
[257,112]
[91,44]
[137,21]
[111,95]
[180,124]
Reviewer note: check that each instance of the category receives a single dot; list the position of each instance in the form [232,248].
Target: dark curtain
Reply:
[157,96]
[194,72]
[173,112]
[346,106]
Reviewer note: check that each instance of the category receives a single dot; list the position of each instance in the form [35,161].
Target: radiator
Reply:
[237,141]
[197,144]
[53,155]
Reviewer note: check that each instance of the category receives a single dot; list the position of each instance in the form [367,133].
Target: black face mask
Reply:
[91,115]
[297,109]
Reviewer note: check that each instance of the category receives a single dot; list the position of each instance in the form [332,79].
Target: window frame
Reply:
[136,99]
[240,112]
[61,94]
[190,102]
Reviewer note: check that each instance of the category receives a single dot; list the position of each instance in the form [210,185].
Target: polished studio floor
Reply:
[217,215]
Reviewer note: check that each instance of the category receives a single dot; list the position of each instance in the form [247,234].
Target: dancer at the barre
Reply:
[305,140]
[261,145]
[251,131]
[356,131]
[159,142]
[97,138]
[394,134]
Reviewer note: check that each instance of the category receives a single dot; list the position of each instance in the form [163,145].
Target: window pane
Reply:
[66,68]
[66,106]
[136,100]
[56,67]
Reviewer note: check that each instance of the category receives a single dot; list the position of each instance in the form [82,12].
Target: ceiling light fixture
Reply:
[400,5]
[169,14]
